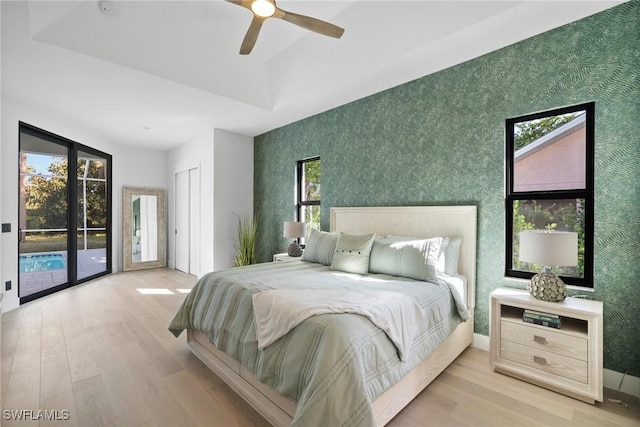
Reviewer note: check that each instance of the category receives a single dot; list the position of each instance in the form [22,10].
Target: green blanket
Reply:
[332,365]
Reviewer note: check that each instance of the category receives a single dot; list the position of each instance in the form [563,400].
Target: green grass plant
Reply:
[246,244]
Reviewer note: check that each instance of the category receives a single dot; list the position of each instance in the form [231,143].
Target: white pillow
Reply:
[449,255]
[412,258]
[320,247]
[352,253]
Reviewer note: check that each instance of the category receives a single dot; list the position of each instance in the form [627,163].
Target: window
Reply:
[308,192]
[550,158]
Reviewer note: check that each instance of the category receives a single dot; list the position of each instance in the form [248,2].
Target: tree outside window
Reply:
[309,173]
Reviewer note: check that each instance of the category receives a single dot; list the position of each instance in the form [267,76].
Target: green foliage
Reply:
[527,132]
[520,223]
[46,196]
[312,191]
[246,244]
[312,174]
[539,215]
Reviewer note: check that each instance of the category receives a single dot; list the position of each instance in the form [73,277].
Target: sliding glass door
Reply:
[44,221]
[92,202]
[61,243]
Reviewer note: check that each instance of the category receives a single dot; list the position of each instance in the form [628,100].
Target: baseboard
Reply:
[481,342]
[611,379]
[630,384]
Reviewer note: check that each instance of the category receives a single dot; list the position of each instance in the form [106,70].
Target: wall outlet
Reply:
[7,285]
[6,227]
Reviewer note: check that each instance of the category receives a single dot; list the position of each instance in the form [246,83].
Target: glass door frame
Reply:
[72,210]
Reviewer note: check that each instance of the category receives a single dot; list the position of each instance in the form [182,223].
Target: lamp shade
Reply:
[294,229]
[550,248]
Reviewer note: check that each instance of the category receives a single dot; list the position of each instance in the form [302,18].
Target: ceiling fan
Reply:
[265,9]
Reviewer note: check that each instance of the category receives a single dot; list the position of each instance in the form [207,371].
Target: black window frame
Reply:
[300,203]
[73,148]
[587,193]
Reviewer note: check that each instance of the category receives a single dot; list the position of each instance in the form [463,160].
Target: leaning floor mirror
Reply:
[143,228]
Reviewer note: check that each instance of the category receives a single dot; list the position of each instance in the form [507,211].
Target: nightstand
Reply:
[284,257]
[567,359]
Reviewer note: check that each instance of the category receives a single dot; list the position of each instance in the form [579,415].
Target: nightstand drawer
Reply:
[544,338]
[552,363]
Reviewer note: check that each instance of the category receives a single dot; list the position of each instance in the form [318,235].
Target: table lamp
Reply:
[549,249]
[294,230]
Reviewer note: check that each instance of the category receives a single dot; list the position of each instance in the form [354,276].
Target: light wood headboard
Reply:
[418,221]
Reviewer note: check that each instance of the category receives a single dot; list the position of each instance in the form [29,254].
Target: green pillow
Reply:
[415,259]
[320,247]
[352,253]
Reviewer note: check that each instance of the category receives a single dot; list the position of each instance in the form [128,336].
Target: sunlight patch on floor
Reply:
[154,291]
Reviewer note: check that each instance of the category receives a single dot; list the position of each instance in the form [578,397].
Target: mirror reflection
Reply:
[144,239]
[143,228]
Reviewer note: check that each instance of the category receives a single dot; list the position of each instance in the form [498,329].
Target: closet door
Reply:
[182,221]
[194,221]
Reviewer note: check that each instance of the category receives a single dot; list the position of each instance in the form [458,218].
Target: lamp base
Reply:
[294,249]
[547,287]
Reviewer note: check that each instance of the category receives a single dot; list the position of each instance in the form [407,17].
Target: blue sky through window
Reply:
[40,162]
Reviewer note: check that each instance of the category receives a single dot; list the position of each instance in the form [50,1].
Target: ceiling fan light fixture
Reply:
[263,8]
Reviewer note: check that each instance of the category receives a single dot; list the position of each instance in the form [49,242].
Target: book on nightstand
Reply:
[540,318]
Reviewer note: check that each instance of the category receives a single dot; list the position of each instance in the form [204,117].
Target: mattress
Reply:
[332,365]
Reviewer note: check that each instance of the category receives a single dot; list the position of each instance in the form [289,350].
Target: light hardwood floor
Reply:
[102,351]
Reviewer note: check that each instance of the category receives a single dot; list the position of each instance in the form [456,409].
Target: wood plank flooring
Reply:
[102,352]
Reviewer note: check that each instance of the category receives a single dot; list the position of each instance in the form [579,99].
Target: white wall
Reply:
[195,154]
[232,190]
[225,161]
[131,167]
[1,216]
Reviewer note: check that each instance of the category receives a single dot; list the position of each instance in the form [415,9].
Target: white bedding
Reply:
[458,284]
[279,311]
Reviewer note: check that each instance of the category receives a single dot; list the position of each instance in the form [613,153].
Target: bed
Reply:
[341,366]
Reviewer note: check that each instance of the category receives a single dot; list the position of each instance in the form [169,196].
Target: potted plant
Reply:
[246,244]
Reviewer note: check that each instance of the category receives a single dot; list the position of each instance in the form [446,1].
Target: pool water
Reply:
[46,262]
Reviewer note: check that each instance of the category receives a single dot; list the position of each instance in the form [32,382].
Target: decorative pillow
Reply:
[412,258]
[352,253]
[320,247]
[449,255]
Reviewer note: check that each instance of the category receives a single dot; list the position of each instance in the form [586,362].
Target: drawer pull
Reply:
[540,360]
[539,340]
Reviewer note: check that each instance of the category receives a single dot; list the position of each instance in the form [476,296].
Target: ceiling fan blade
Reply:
[244,3]
[312,24]
[251,36]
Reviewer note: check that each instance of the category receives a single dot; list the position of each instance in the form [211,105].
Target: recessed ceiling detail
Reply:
[174,65]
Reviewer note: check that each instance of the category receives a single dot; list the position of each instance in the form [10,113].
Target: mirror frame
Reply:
[127,228]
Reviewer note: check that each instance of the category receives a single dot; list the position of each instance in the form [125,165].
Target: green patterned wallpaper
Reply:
[440,140]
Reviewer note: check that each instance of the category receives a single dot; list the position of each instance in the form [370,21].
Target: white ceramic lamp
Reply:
[294,230]
[549,249]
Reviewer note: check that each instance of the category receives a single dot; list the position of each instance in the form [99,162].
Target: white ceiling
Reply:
[159,73]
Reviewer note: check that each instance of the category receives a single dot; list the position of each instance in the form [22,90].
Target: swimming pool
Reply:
[42,262]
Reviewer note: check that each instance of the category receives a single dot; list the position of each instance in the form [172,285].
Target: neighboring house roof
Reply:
[556,135]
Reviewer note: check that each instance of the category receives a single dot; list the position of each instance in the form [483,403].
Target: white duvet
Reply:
[279,311]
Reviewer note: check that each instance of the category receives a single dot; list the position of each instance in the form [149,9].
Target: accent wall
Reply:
[440,140]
